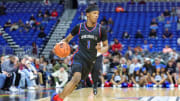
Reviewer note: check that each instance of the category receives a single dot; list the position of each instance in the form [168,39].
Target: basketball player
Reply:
[90,35]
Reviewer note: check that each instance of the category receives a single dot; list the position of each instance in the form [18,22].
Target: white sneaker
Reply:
[13,89]
[119,86]
[178,86]
[172,86]
[134,85]
[102,85]
[31,88]
[160,86]
[154,86]
[137,85]
[114,86]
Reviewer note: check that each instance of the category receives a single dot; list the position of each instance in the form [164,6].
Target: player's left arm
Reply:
[104,41]
[104,48]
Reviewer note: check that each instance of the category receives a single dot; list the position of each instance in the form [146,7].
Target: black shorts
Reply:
[81,65]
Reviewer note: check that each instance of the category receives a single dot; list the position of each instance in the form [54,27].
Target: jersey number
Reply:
[88,44]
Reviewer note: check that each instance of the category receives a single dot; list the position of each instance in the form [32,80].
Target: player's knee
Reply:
[76,78]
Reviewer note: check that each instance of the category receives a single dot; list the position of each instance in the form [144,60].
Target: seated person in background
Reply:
[125,35]
[153,34]
[14,27]
[27,26]
[161,18]
[42,34]
[117,79]
[171,69]
[54,14]
[8,24]
[167,49]
[116,45]
[151,48]
[142,2]
[45,18]
[154,24]
[131,2]
[104,20]
[166,13]
[137,78]
[167,25]
[173,12]
[62,77]
[40,14]
[2,9]
[167,34]
[110,25]
[139,35]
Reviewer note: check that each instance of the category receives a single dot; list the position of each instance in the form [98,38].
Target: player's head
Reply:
[92,13]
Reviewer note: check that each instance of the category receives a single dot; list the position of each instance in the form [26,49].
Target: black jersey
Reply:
[88,39]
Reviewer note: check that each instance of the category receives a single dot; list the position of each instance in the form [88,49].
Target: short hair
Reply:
[91,8]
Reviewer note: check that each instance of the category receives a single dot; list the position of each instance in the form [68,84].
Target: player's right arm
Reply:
[74,32]
[68,38]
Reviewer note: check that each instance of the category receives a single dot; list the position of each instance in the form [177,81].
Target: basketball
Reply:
[62,49]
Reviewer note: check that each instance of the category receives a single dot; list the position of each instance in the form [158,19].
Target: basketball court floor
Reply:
[104,94]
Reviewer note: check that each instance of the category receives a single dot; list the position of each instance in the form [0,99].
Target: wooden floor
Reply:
[124,94]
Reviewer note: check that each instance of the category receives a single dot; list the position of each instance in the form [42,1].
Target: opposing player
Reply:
[90,35]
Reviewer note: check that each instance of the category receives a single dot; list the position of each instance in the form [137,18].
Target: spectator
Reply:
[142,2]
[40,14]
[83,17]
[45,19]
[161,18]
[7,24]
[167,34]
[10,66]
[153,34]
[129,53]
[145,46]
[27,26]
[110,25]
[139,35]
[20,23]
[167,25]
[173,12]
[134,64]
[14,27]
[178,24]
[125,35]
[131,2]
[138,49]
[104,20]
[171,69]
[166,13]
[42,34]
[167,49]
[54,14]
[117,46]
[47,13]
[62,76]
[149,67]
[2,10]
[151,49]
[34,49]
[154,24]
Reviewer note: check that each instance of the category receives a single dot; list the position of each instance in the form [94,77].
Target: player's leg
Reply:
[96,73]
[71,85]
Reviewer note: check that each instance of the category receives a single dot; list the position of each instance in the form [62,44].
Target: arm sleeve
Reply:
[75,30]
[103,34]
[64,80]
[55,74]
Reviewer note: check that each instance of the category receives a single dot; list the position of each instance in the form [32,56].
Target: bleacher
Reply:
[137,17]
[23,11]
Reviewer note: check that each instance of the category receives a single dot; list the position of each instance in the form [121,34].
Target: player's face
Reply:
[93,16]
